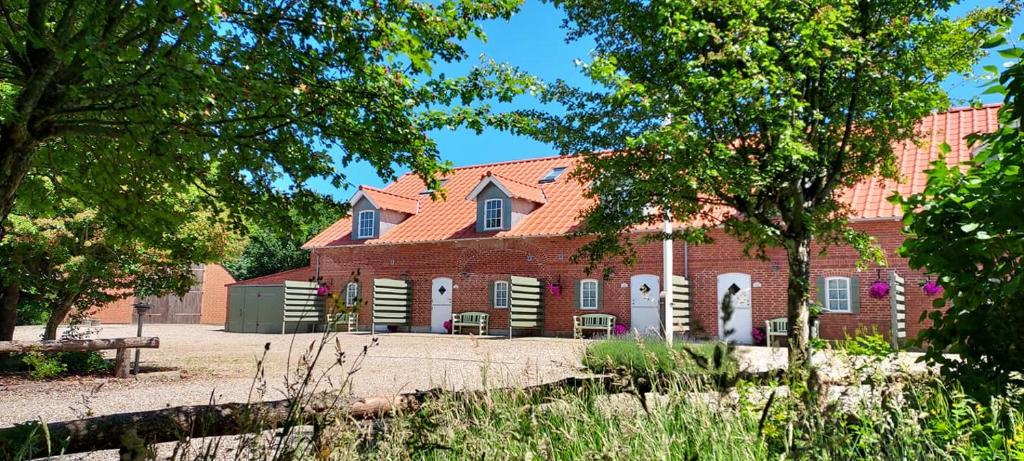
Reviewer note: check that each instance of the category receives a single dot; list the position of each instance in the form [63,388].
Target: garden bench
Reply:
[121,345]
[347,320]
[780,327]
[592,322]
[470,319]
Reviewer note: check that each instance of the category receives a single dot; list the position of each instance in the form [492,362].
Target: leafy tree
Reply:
[124,104]
[268,251]
[69,260]
[753,116]
[967,229]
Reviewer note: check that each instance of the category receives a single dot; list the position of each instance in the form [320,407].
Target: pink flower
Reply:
[932,288]
[619,329]
[879,289]
[757,334]
[322,290]
[447,325]
[555,289]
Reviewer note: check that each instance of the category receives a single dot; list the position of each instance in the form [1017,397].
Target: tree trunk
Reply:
[9,311]
[15,160]
[58,313]
[798,250]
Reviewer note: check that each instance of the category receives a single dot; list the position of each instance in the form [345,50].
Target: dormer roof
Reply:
[509,187]
[384,200]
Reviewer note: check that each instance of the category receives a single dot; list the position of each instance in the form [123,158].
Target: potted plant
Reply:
[813,316]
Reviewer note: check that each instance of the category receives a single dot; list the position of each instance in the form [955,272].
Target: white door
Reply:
[644,292]
[441,304]
[738,286]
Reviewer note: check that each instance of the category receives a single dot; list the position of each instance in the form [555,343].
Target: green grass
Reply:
[653,357]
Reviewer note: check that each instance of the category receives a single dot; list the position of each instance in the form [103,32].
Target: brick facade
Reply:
[474,263]
[213,310]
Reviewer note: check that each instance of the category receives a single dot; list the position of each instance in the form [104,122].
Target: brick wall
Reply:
[473,264]
[214,310]
[119,311]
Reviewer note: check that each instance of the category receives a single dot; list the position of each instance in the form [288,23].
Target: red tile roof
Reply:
[515,189]
[563,199]
[868,199]
[388,200]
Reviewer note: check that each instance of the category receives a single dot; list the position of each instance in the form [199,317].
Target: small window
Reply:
[588,294]
[501,294]
[837,294]
[366,222]
[552,175]
[492,214]
[351,294]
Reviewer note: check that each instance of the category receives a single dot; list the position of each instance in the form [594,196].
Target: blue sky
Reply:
[534,41]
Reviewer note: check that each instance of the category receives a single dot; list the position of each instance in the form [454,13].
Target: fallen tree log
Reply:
[179,423]
[78,345]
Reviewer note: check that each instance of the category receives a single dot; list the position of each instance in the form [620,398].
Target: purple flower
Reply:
[555,289]
[322,290]
[619,329]
[757,334]
[879,289]
[932,288]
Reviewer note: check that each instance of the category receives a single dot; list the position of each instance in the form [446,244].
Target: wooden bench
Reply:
[470,319]
[780,328]
[346,320]
[121,345]
[592,322]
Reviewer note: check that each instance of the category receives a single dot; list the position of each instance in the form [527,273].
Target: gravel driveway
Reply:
[197,363]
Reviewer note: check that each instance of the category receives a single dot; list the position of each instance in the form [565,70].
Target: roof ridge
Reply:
[491,173]
[383,191]
[969,108]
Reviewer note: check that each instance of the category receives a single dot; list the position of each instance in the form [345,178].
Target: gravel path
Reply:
[197,363]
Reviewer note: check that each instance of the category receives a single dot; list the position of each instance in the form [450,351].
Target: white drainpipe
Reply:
[666,279]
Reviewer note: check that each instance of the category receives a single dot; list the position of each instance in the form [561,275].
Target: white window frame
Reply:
[360,229]
[828,295]
[351,293]
[583,294]
[504,286]
[501,214]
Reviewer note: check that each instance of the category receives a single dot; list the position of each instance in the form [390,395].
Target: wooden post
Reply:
[121,367]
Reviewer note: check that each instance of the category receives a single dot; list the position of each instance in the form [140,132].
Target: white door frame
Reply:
[742,315]
[440,303]
[644,308]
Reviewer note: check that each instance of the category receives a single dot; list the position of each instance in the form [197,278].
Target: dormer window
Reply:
[552,175]
[493,213]
[367,221]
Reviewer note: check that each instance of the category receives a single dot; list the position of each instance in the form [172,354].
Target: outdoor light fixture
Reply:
[141,307]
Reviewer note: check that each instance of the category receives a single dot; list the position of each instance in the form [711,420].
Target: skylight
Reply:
[552,175]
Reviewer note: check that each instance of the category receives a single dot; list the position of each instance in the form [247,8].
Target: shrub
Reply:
[49,365]
[869,343]
[640,357]
[42,366]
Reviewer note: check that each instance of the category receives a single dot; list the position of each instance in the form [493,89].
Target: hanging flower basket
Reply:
[879,289]
[322,290]
[932,288]
[555,289]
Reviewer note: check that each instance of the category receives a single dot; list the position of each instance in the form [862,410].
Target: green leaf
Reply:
[968,228]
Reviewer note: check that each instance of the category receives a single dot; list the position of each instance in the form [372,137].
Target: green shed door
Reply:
[235,309]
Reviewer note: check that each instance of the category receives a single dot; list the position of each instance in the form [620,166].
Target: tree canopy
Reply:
[267,251]
[753,116]
[966,228]
[120,102]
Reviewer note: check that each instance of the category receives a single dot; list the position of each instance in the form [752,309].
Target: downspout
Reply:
[317,263]
[686,259]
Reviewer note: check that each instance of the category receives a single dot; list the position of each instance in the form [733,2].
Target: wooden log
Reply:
[78,345]
[121,363]
[178,423]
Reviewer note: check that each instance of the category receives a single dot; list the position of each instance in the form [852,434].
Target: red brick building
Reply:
[511,218]
[206,303]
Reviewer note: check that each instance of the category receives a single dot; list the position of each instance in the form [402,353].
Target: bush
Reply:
[44,366]
[654,358]
[868,343]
